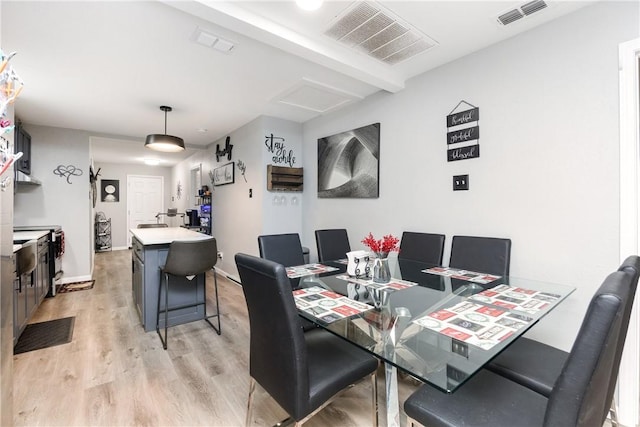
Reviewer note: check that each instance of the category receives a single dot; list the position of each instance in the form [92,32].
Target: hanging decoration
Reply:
[460,134]
[10,87]
[227,150]
[67,172]
[243,169]
[179,190]
[93,178]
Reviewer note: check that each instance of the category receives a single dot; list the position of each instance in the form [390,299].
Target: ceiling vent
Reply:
[368,28]
[522,11]
[207,39]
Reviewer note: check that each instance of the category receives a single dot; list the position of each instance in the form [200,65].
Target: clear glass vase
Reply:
[381,273]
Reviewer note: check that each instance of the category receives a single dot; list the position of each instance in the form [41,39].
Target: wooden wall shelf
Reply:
[284,179]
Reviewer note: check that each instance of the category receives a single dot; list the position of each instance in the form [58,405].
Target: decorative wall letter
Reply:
[227,150]
[275,145]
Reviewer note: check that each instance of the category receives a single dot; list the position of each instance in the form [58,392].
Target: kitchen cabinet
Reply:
[19,305]
[137,270]
[24,296]
[23,144]
[32,278]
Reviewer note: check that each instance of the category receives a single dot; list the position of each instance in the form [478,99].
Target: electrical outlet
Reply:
[220,255]
[460,182]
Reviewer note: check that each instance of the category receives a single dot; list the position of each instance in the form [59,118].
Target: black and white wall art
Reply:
[109,190]
[349,163]
[224,174]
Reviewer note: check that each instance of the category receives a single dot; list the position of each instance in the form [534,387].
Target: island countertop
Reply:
[161,236]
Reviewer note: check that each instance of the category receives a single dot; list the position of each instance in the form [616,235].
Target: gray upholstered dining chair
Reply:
[302,372]
[482,254]
[579,397]
[537,365]
[332,244]
[424,247]
[188,259]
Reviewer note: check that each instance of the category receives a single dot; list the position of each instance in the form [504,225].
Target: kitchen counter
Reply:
[163,236]
[29,235]
[26,236]
[150,247]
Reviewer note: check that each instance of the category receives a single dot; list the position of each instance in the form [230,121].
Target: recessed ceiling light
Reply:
[151,162]
[309,4]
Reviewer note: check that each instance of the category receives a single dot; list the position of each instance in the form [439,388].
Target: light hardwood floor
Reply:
[115,374]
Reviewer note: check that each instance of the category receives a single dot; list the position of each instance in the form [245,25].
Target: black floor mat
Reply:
[45,334]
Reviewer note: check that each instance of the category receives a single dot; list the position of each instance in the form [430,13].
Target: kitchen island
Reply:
[150,247]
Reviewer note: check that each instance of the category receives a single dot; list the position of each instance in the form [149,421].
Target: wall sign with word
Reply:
[275,145]
[462,136]
[227,150]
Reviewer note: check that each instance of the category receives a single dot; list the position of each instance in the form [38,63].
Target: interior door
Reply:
[144,200]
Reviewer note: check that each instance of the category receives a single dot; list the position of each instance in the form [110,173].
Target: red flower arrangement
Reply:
[382,247]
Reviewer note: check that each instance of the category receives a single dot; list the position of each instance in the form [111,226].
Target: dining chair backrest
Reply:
[630,265]
[482,254]
[284,249]
[153,225]
[332,244]
[277,350]
[580,394]
[193,257]
[424,247]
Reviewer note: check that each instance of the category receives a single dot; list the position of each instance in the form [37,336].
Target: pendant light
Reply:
[164,142]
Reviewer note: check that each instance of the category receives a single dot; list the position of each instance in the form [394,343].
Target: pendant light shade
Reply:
[164,142]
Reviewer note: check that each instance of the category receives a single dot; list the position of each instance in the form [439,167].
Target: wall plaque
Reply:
[460,131]
[463,153]
[463,117]
[463,135]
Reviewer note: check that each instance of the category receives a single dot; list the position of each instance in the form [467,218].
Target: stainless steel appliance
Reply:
[56,250]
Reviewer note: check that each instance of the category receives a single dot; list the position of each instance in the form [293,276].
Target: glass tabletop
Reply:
[437,324]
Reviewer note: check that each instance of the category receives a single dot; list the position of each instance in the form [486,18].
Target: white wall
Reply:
[239,219]
[278,216]
[56,201]
[548,173]
[117,211]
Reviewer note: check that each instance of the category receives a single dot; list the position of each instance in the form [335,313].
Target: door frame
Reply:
[162,197]
[629,57]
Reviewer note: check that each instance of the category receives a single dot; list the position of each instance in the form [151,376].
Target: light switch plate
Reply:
[460,182]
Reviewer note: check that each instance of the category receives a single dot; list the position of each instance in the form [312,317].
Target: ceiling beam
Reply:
[235,18]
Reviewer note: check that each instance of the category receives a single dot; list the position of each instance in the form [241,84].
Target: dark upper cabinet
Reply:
[23,144]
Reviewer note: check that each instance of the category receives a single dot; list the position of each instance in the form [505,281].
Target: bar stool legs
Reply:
[167,309]
[215,286]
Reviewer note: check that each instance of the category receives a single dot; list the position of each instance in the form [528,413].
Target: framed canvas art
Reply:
[109,190]
[224,174]
[349,164]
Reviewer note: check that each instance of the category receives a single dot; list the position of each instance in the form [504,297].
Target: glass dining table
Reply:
[440,325]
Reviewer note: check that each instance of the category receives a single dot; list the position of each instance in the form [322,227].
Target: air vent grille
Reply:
[533,7]
[509,17]
[368,28]
[525,10]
